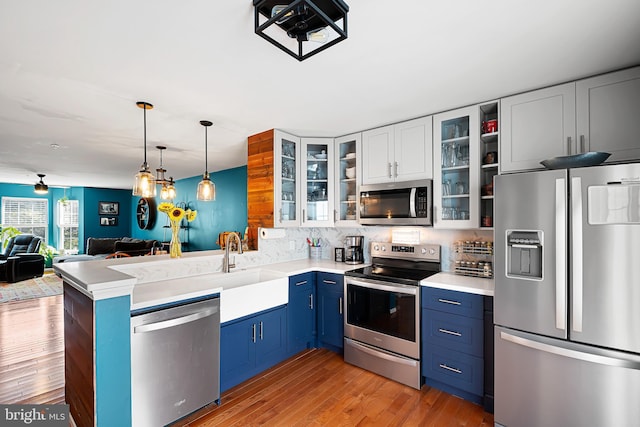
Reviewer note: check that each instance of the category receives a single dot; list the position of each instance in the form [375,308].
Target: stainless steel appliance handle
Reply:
[384,355]
[576,257]
[174,322]
[625,361]
[396,287]
[561,250]
[412,202]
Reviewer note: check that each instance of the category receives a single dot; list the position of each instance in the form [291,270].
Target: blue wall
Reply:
[227,213]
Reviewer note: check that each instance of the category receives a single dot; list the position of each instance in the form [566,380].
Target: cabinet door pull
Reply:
[304,282]
[304,216]
[311,301]
[280,210]
[396,169]
[569,145]
[329,282]
[447,301]
[335,215]
[261,335]
[446,331]
[449,368]
[253,332]
[582,143]
[390,176]
[340,305]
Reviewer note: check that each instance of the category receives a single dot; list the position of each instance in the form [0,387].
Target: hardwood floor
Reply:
[315,388]
[32,351]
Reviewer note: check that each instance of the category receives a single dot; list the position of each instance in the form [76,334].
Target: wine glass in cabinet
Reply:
[456,169]
[347,188]
[286,188]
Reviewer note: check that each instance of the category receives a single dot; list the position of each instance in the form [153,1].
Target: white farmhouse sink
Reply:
[249,291]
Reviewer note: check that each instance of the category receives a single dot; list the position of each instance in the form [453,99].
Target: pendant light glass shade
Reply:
[41,187]
[144,185]
[206,188]
[171,189]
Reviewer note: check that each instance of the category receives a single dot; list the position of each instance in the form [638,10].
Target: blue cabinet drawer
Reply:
[459,333]
[456,369]
[460,303]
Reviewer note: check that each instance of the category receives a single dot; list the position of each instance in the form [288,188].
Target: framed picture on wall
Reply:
[108,208]
[108,221]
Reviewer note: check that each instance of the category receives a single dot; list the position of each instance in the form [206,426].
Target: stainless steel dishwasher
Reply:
[175,360]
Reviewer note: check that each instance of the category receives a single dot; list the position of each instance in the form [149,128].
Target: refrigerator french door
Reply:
[567,297]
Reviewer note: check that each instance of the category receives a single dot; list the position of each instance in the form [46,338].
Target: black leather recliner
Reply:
[21,260]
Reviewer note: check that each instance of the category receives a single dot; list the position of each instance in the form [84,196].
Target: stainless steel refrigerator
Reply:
[567,297]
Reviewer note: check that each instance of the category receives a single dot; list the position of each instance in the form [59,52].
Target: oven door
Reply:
[383,314]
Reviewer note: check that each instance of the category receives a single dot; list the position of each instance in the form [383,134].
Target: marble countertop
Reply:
[456,282]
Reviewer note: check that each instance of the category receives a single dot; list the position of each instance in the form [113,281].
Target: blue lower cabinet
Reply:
[301,313]
[453,342]
[330,290]
[252,344]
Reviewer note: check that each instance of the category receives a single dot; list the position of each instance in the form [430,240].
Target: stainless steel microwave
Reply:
[398,203]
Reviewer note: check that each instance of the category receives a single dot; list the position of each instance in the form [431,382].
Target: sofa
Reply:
[103,247]
[21,260]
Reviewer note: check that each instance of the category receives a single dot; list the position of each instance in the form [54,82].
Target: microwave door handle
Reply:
[412,203]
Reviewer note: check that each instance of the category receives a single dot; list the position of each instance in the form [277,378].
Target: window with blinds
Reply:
[30,216]
[68,226]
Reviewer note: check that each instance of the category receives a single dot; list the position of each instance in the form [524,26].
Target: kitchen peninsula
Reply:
[99,297]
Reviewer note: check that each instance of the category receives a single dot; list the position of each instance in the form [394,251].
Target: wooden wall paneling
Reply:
[260,184]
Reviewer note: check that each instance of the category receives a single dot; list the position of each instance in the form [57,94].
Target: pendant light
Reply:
[168,190]
[144,183]
[206,188]
[41,187]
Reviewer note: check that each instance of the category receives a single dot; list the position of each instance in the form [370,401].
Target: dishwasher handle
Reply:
[175,322]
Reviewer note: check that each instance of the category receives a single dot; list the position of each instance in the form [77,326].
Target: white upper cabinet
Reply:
[347,183]
[400,152]
[286,189]
[609,114]
[536,126]
[317,182]
[595,114]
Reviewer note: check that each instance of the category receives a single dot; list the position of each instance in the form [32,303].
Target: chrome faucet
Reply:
[226,265]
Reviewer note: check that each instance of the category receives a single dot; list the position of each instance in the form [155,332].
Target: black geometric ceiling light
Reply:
[41,187]
[301,28]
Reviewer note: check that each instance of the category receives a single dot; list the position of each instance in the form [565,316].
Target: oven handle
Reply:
[396,287]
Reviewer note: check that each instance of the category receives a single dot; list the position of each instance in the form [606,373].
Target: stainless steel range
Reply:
[382,322]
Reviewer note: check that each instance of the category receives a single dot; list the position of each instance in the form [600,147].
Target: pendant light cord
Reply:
[144,107]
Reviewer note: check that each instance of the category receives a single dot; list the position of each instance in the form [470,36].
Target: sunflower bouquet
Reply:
[176,214]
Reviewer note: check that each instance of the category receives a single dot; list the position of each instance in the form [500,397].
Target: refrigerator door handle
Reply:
[576,258]
[596,356]
[561,250]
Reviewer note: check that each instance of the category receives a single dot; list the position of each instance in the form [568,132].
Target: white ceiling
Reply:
[72,70]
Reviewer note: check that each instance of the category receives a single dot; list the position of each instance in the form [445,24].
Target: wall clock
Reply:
[146,213]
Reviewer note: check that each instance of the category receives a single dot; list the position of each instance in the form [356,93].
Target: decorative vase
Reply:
[175,248]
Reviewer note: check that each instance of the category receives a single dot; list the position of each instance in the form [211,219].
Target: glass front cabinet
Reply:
[287,191]
[347,188]
[456,193]
[317,179]
[489,147]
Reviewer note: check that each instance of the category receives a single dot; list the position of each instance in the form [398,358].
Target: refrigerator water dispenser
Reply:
[524,254]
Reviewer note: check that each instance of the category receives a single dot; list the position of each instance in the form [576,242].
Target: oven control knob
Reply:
[376,248]
[384,248]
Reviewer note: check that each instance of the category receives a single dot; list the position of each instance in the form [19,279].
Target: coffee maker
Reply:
[353,249]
